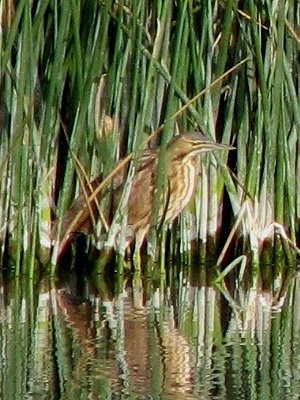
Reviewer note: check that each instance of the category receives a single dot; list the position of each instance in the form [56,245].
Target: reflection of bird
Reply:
[182,169]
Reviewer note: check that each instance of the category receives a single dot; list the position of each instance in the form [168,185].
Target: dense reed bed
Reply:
[84,83]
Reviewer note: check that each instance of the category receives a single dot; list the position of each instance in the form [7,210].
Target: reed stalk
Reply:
[226,68]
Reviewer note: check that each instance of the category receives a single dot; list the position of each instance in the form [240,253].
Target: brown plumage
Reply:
[182,170]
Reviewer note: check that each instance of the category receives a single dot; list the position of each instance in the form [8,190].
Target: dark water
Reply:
[172,338]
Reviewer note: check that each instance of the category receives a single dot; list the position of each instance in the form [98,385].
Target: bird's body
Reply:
[181,174]
[174,197]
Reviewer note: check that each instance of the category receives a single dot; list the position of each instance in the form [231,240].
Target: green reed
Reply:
[67,68]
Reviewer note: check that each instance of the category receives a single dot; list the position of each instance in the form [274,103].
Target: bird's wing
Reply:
[147,157]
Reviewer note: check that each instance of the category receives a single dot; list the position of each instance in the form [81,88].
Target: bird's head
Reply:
[193,143]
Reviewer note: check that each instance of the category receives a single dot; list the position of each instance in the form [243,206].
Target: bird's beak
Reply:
[211,146]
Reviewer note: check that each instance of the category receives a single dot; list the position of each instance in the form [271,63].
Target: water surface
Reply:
[172,338]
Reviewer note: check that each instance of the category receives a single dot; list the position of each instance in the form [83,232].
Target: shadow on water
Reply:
[170,338]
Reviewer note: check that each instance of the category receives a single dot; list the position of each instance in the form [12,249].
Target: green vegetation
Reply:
[84,83]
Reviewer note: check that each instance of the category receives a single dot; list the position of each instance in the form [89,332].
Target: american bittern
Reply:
[182,169]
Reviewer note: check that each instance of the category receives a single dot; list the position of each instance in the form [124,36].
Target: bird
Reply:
[181,172]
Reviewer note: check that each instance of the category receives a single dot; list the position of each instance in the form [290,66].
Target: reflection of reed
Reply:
[131,344]
[78,315]
[144,358]
[77,318]
[92,364]
[258,339]
[26,342]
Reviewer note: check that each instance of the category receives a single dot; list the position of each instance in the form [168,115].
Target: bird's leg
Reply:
[121,264]
[137,260]
[139,240]
[103,260]
[123,261]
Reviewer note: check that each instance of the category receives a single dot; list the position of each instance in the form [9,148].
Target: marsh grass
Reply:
[70,68]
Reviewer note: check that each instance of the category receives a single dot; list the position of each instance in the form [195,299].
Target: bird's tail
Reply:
[81,216]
